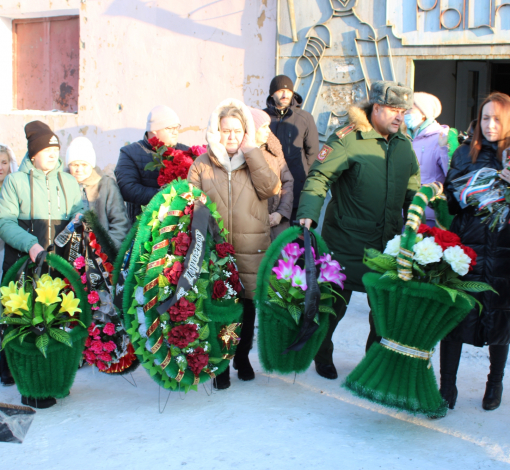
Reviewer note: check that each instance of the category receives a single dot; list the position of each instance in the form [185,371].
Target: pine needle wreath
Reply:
[195,339]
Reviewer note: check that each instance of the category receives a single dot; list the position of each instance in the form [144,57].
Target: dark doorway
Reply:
[461,85]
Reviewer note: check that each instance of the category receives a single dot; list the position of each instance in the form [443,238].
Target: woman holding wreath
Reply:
[236,176]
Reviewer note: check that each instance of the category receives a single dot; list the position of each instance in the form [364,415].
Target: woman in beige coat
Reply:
[236,176]
[279,206]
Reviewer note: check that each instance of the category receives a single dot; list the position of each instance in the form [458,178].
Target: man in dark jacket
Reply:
[138,186]
[373,174]
[295,129]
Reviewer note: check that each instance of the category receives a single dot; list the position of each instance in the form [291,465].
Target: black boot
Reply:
[328,371]
[222,381]
[38,402]
[450,352]
[241,362]
[494,388]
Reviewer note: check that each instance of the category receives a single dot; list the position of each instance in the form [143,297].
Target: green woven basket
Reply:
[276,328]
[53,376]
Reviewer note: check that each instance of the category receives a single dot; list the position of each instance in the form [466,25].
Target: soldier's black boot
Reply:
[222,381]
[449,359]
[328,371]
[494,387]
[241,361]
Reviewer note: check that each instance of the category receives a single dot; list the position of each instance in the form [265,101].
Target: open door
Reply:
[472,88]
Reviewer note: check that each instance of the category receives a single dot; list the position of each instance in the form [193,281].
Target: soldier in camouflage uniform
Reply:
[373,174]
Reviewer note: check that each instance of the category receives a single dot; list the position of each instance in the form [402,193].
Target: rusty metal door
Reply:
[46,63]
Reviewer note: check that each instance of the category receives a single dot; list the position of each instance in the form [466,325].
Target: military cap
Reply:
[393,94]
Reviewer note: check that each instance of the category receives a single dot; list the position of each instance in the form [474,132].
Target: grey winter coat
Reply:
[103,197]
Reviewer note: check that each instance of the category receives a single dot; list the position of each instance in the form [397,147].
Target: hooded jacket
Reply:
[282,202]
[492,325]
[432,158]
[298,135]
[13,165]
[35,207]
[103,197]
[136,185]
[240,187]
[371,180]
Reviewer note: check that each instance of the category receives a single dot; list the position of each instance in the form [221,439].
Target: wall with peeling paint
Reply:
[136,54]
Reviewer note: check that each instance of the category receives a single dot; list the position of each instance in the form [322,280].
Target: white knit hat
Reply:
[81,149]
[160,117]
[428,104]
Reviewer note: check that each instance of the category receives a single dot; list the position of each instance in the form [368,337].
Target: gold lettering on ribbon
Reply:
[150,304]
[153,327]
[157,345]
[168,228]
[160,245]
[187,196]
[149,286]
[175,213]
[167,360]
[179,376]
[155,264]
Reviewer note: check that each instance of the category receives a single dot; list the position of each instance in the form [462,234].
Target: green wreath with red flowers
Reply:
[180,299]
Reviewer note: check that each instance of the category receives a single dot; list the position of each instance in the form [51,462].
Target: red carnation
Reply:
[182,335]
[426,230]
[109,329]
[182,242]
[174,273]
[224,249]
[96,347]
[90,357]
[105,357]
[471,253]
[219,290]
[168,152]
[182,310]
[198,150]
[197,360]
[446,239]
[189,210]
[110,346]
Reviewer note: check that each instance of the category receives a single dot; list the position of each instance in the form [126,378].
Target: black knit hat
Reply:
[39,137]
[280,82]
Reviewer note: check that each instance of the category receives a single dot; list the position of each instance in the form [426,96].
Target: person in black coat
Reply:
[484,149]
[295,129]
[138,186]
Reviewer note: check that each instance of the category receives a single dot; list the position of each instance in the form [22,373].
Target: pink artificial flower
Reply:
[109,329]
[96,347]
[93,297]
[331,272]
[93,330]
[292,252]
[299,278]
[90,357]
[198,150]
[106,357]
[110,346]
[88,342]
[83,278]
[284,269]
[79,262]
[101,365]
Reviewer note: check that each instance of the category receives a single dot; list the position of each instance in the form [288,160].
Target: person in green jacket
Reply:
[37,202]
[373,174]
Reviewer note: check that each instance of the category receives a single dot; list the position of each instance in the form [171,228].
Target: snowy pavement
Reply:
[270,423]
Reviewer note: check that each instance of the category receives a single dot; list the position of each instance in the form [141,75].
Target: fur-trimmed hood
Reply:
[213,134]
[358,115]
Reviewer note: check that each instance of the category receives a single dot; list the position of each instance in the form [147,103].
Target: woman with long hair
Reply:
[491,326]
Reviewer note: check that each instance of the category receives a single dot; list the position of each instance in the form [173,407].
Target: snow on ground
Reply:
[273,422]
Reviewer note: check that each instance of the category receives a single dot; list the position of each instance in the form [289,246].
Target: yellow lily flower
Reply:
[47,294]
[70,304]
[18,302]
[44,279]
[47,280]
[59,283]
[7,291]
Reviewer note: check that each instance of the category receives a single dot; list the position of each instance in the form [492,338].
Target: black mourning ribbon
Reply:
[194,257]
[312,296]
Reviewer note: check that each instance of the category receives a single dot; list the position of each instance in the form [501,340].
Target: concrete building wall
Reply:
[136,54]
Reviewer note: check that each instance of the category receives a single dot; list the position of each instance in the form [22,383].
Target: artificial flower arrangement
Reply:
[280,300]
[438,258]
[193,339]
[172,163]
[417,298]
[47,319]
[44,307]
[488,193]
[288,283]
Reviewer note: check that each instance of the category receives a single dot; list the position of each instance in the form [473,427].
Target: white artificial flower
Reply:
[457,259]
[427,251]
[393,246]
